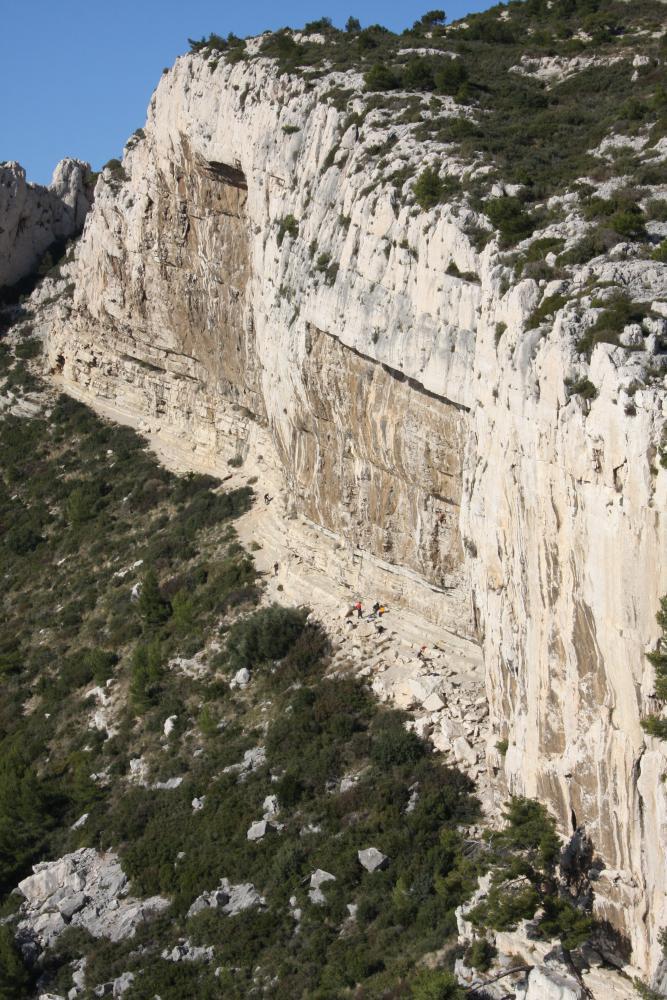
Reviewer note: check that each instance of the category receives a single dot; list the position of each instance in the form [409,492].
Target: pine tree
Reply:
[25,816]
[152,606]
[14,978]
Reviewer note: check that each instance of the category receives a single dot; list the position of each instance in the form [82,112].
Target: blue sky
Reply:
[76,77]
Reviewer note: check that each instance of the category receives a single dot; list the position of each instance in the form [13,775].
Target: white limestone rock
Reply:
[546,984]
[184,951]
[372,860]
[253,759]
[317,880]
[241,678]
[84,889]
[169,784]
[270,806]
[260,829]
[230,899]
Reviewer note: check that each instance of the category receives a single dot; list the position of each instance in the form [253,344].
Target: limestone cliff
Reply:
[33,216]
[250,285]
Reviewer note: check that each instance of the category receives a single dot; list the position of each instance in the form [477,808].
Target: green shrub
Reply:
[288,226]
[117,172]
[658,657]
[618,312]
[14,975]
[417,75]
[428,189]
[450,76]
[506,905]
[394,745]
[660,253]
[85,502]
[550,305]
[538,249]
[657,209]
[653,725]
[84,666]
[566,922]
[509,217]
[463,275]
[530,828]
[595,243]
[27,812]
[432,984]
[480,954]
[581,387]
[29,348]
[266,635]
[153,608]
[146,675]
[381,78]
[629,223]
[214,42]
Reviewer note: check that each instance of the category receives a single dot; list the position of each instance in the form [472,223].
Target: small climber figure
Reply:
[381,610]
[267,499]
[276,567]
[376,607]
[422,653]
[358,608]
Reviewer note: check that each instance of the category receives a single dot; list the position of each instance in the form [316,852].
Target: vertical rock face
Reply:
[569,529]
[33,217]
[250,290]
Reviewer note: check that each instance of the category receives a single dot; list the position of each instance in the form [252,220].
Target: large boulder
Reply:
[372,860]
[547,984]
[317,880]
[230,899]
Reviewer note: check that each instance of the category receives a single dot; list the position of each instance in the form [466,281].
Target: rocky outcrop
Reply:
[33,217]
[229,899]
[84,889]
[266,296]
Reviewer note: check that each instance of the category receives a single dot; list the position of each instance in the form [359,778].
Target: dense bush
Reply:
[433,984]
[27,812]
[267,635]
[288,226]
[660,253]
[654,725]
[480,955]
[618,312]
[430,188]
[14,975]
[153,608]
[393,744]
[509,217]
[525,855]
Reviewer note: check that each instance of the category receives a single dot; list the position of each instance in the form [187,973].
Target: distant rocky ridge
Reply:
[34,217]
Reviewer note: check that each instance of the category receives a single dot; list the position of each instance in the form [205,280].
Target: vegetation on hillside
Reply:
[654,724]
[528,132]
